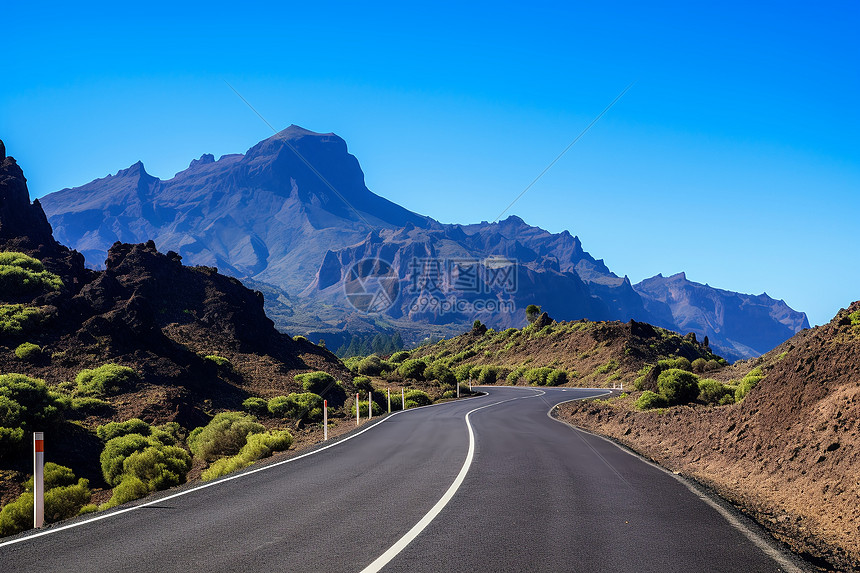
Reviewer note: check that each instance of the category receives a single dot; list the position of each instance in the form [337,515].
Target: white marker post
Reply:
[357,410]
[38,479]
[389,400]
[369,405]
[325,419]
[402,398]
[458,389]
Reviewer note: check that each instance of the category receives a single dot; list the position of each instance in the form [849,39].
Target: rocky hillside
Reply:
[299,233]
[787,453]
[196,341]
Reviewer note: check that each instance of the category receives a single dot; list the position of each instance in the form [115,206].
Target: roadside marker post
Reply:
[325,420]
[369,405]
[357,411]
[38,479]
[458,389]
[402,399]
[389,400]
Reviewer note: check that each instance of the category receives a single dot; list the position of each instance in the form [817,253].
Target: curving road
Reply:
[486,484]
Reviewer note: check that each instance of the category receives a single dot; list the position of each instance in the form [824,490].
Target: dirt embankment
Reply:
[789,454]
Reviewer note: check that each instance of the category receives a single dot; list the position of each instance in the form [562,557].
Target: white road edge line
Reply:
[753,536]
[221,480]
[410,535]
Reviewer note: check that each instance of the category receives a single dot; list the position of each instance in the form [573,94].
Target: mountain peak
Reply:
[135,170]
[295,131]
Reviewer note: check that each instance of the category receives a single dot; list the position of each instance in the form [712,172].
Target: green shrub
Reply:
[370,366]
[224,435]
[158,466]
[441,373]
[713,391]
[649,400]
[106,380]
[28,352]
[256,405]
[18,319]
[399,357]
[514,375]
[678,386]
[448,394]
[219,361]
[362,407]
[323,384]
[556,378]
[85,405]
[300,338]
[463,372]
[304,406]
[113,430]
[699,365]
[258,446]
[88,508]
[538,376]
[26,404]
[21,274]
[712,365]
[747,383]
[412,369]
[64,497]
[418,397]
[532,313]
[608,367]
[411,404]
[362,383]
[116,451]
[675,364]
[129,489]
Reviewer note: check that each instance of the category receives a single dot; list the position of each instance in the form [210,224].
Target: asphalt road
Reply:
[509,490]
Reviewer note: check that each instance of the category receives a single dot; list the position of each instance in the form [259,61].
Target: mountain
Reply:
[147,311]
[294,218]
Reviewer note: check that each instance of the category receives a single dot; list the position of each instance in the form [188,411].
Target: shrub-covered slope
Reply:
[788,453]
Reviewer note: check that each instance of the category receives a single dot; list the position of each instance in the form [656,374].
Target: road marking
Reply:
[218,481]
[757,539]
[410,535]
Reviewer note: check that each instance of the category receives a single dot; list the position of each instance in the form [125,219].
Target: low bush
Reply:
[699,365]
[113,430]
[362,407]
[412,369]
[399,357]
[556,378]
[419,398]
[678,386]
[86,405]
[21,274]
[675,364]
[25,404]
[224,435]
[64,497]
[538,376]
[514,376]
[607,368]
[299,406]
[219,361]
[440,373]
[158,466]
[256,405]
[362,383]
[747,383]
[18,319]
[129,489]
[106,380]
[649,400]
[28,352]
[370,366]
[257,447]
[323,384]
[463,372]
[713,391]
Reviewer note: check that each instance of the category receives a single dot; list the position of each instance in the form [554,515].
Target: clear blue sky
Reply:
[734,157]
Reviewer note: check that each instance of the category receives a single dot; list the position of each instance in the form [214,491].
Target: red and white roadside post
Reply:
[325,420]
[389,399]
[402,398]
[458,389]
[38,479]
[369,405]
[357,411]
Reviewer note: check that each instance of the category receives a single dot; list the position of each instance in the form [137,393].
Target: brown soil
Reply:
[788,454]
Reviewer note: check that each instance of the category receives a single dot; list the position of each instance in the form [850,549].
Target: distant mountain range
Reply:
[293,218]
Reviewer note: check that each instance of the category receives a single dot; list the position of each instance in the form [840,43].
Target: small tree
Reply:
[532,313]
